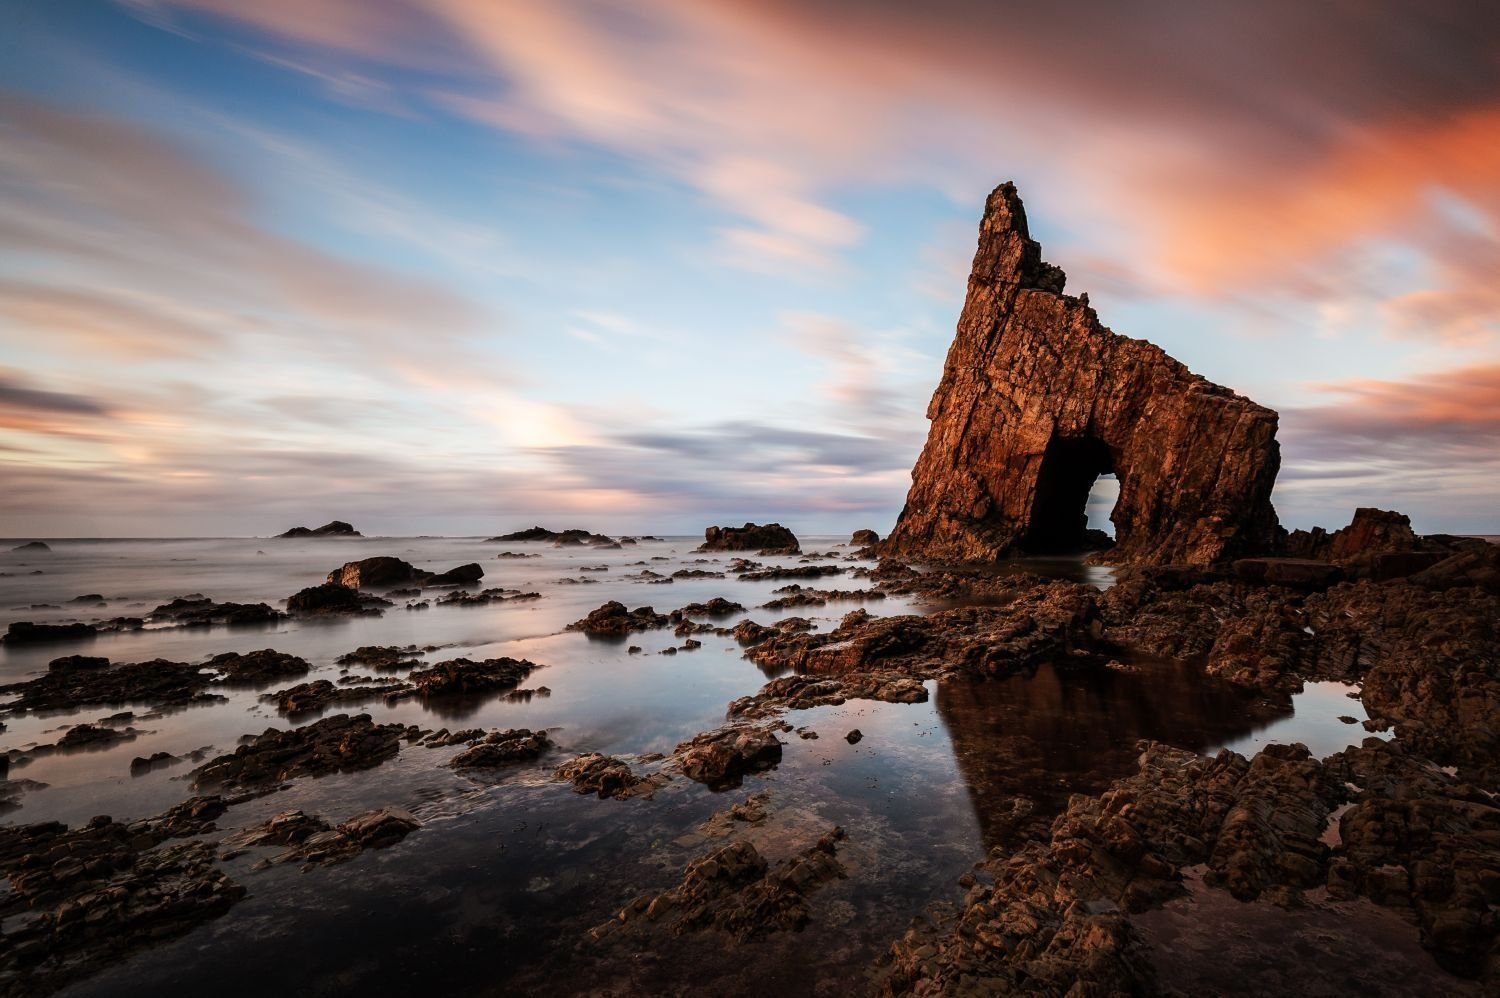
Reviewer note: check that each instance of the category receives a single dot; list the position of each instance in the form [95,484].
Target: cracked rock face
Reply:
[1038,398]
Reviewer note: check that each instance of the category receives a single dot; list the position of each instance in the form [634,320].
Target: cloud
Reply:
[136,210]
[1230,145]
[1399,444]
[744,469]
[21,404]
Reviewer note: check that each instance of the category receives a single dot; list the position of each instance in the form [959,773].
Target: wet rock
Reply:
[67,662]
[158,682]
[854,737]
[696,573]
[312,842]
[613,620]
[804,692]
[796,595]
[503,748]
[595,773]
[331,599]
[1422,841]
[334,744]
[333,528]
[734,890]
[384,658]
[25,632]
[32,546]
[200,611]
[716,607]
[375,573]
[141,765]
[772,538]
[721,759]
[463,575]
[93,599]
[863,538]
[256,667]
[486,597]
[94,736]
[1038,398]
[795,572]
[305,698]
[1055,919]
[465,676]
[94,894]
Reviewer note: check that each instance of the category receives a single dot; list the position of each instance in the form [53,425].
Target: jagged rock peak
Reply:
[1038,398]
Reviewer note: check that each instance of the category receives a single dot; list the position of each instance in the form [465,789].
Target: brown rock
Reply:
[771,538]
[1038,398]
[370,573]
[613,620]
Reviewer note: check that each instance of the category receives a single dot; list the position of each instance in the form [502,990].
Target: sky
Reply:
[458,266]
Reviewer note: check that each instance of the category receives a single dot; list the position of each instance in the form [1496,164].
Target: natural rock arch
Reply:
[1038,398]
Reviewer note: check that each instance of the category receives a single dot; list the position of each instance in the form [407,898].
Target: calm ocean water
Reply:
[494,893]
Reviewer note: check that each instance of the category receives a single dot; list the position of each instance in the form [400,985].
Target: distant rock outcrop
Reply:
[1038,399]
[772,538]
[333,528]
[32,546]
[560,537]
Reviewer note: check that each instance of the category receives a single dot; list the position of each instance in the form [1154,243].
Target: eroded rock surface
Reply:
[736,891]
[158,682]
[333,744]
[614,620]
[1038,398]
[770,538]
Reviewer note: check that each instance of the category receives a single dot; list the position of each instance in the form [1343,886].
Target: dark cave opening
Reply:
[1059,511]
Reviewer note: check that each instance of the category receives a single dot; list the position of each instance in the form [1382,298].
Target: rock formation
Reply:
[1038,399]
[333,528]
[772,538]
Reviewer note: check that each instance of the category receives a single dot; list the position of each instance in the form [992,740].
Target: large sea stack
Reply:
[1038,399]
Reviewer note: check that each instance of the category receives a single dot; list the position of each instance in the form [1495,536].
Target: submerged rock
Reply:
[200,611]
[331,599]
[159,683]
[85,898]
[312,842]
[23,632]
[502,748]
[255,667]
[461,675]
[734,890]
[595,773]
[1037,399]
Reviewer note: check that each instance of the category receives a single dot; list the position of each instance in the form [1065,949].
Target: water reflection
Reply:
[1064,730]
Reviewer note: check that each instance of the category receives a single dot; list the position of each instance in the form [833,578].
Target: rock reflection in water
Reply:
[1073,729]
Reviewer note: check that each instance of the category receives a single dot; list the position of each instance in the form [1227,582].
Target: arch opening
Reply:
[1059,523]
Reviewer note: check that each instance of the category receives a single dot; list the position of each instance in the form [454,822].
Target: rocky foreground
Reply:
[1082,894]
